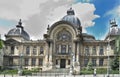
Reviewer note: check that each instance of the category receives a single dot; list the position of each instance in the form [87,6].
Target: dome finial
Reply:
[113,23]
[70,11]
[20,23]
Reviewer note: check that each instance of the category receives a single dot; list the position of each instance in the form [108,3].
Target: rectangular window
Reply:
[26,61]
[12,49]
[34,50]
[94,62]
[40,62]
[11,61]
[101,62]
[41,50]
[56,62]
[101,50]
[68,62]
[69,48]
[33,61]
[94,51]
[86,62]
[63,49]
[27,50]
[87,51]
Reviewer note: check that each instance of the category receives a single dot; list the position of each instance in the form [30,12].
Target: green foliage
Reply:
[98,71]
[115,63]
[9,72]
[90,66]
[27,72]
[1,44]
[101,70]
[35,70]
[84,71]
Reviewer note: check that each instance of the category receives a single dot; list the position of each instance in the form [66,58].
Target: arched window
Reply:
[64,35]
[12,49]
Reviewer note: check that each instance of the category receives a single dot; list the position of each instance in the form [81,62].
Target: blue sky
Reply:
[100,28]
[97,11]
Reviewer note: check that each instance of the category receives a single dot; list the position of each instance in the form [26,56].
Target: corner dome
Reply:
[19,31]
[71,18]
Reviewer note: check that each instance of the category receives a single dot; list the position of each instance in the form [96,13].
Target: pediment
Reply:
[12,42]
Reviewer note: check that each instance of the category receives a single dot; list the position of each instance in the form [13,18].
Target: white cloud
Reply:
[115,13]
[37,14]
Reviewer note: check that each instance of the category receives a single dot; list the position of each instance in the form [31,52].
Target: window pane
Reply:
[12,49]
[27,50]
[40,62]
[26,61]
[68,62]
[101,62]
[87,51]
[33,61]
[63,48]
[41,50]
[86,62]
[94,62]
[101,50]
[56,62]
[94,51]
[69,48]
[34,50]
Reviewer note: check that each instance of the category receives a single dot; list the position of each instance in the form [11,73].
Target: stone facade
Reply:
[64,46]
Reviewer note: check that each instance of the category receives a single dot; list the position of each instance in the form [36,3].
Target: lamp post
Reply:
[20,64]
[108,59]
[72,63]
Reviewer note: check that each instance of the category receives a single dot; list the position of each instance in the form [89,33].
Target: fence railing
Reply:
[59,75]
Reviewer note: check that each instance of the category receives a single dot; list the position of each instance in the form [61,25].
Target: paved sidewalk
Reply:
[101,75]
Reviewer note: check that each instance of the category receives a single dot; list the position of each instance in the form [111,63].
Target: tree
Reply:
[1,44]
[115,63]
[89,66]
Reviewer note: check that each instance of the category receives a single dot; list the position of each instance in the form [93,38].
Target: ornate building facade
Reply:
[64,46]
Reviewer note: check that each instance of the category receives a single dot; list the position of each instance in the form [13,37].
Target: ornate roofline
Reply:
[61,22]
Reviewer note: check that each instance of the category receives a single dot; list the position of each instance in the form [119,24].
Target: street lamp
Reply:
[108,59]
[20,64]
[72,63]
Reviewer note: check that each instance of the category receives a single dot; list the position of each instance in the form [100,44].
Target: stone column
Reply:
[77,58]
[50,52]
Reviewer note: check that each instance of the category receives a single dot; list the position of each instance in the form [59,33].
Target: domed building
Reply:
[64,47]
[18,33]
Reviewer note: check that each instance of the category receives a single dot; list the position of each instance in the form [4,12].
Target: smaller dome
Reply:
[19,30]
[70,17]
